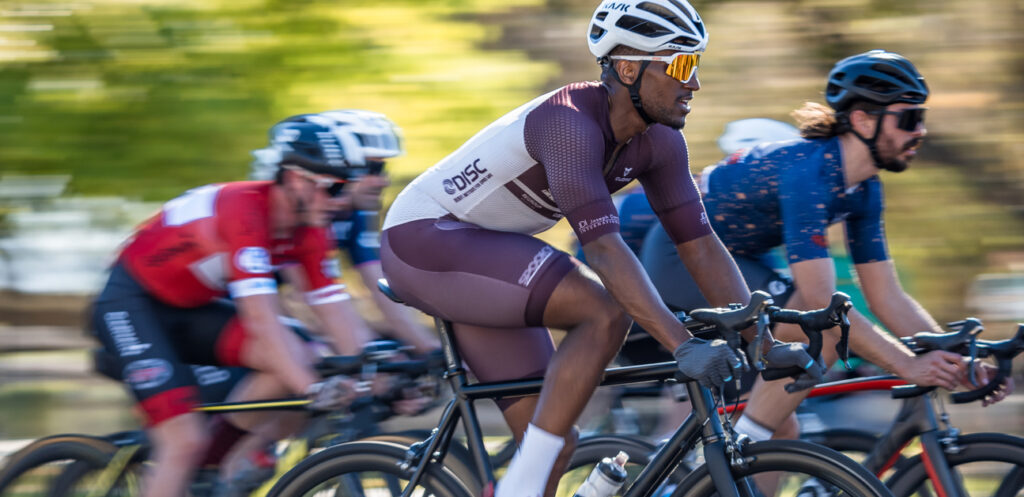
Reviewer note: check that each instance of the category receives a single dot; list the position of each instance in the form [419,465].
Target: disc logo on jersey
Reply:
[147,373]
[467,181]
[254,260]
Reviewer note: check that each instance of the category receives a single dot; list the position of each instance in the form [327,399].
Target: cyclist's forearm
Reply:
[629,285]
[717,275]
[903,316]
[346,329]
[269,347]
[274,354]
[876,345]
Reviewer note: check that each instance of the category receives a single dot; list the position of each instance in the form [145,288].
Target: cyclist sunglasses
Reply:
[681,65]
[907,119]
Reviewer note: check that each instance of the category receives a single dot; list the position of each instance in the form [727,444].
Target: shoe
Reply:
[256,470]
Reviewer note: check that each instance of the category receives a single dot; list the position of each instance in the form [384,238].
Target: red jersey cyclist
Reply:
[163,308]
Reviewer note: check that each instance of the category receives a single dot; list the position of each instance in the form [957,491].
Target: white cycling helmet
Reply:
[365,134]
[746,133]
[647,25]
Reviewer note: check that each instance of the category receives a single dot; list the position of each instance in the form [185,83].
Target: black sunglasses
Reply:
[907,119]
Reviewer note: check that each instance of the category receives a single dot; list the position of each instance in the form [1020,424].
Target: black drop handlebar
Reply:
[964,340]
[729,322]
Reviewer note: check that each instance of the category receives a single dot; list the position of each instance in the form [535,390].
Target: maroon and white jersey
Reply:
[216,240]
[556,157]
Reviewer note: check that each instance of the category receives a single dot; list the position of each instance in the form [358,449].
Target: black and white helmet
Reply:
[309,145]
[647,25]
[365,134]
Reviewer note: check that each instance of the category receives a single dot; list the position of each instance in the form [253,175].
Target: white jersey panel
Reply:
[470,182]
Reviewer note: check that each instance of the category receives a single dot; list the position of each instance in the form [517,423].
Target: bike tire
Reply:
[339,466]
[791,456]
[62,451]
[855,443]
[974,448]
[457,459]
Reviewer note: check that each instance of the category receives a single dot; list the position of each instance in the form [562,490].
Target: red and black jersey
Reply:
[216,240]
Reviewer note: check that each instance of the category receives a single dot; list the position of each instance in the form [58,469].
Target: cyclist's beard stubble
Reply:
[664,115]
[895,163]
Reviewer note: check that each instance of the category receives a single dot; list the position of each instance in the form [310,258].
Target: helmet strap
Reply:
[872,143]
[634,91]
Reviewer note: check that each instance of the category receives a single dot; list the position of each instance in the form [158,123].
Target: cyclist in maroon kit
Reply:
[457,241]
[163,307]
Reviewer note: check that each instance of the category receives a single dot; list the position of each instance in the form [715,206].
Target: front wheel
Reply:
[798,468]
[365,468]
[34,469]
[985,464]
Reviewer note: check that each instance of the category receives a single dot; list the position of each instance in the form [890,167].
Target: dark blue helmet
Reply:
[877,77]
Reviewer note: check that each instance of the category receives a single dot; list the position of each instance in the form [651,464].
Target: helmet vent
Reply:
[601,15]
[666,14]
[596,33]
[894,72]
[874,84]
[692,15]
[684,41]
[642,27]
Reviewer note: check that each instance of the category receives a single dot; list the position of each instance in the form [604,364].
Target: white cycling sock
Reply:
[753,430]
[527,475]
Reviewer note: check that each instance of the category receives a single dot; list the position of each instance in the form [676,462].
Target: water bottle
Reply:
[606,478]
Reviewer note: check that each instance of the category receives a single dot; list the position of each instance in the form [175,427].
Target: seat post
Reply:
[452,359]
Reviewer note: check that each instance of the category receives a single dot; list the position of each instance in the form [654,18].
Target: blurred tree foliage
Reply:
[148,98]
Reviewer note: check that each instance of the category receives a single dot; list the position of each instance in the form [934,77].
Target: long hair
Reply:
[818,121]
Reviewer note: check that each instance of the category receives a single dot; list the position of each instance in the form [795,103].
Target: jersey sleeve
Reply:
[803,210]
[571,148]
[670,187]
[363,245]
[242,224]
[321,270]
[865,231]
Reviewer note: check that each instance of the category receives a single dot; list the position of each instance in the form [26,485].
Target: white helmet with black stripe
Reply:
[365,134]
[647,25]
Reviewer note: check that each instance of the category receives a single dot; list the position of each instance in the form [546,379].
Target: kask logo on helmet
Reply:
[467,180]
[616,6]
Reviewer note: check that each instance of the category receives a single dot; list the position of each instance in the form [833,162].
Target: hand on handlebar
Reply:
[936,368]
[985,373]
[712,363]
[785,355]
[332,393]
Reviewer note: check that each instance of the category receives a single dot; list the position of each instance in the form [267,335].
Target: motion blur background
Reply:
[109,107]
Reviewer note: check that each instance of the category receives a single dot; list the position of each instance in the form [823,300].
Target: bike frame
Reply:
[917,417]
[703,423]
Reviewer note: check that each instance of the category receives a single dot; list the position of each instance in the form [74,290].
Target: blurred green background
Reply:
[143,99]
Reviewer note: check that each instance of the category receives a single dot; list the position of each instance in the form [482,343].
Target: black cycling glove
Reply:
[710,363]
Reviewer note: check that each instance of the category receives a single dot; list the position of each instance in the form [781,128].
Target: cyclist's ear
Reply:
[629,70]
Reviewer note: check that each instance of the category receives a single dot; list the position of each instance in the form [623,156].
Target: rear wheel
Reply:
[985,464]
[364,468]
[802,469]
[58,465]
